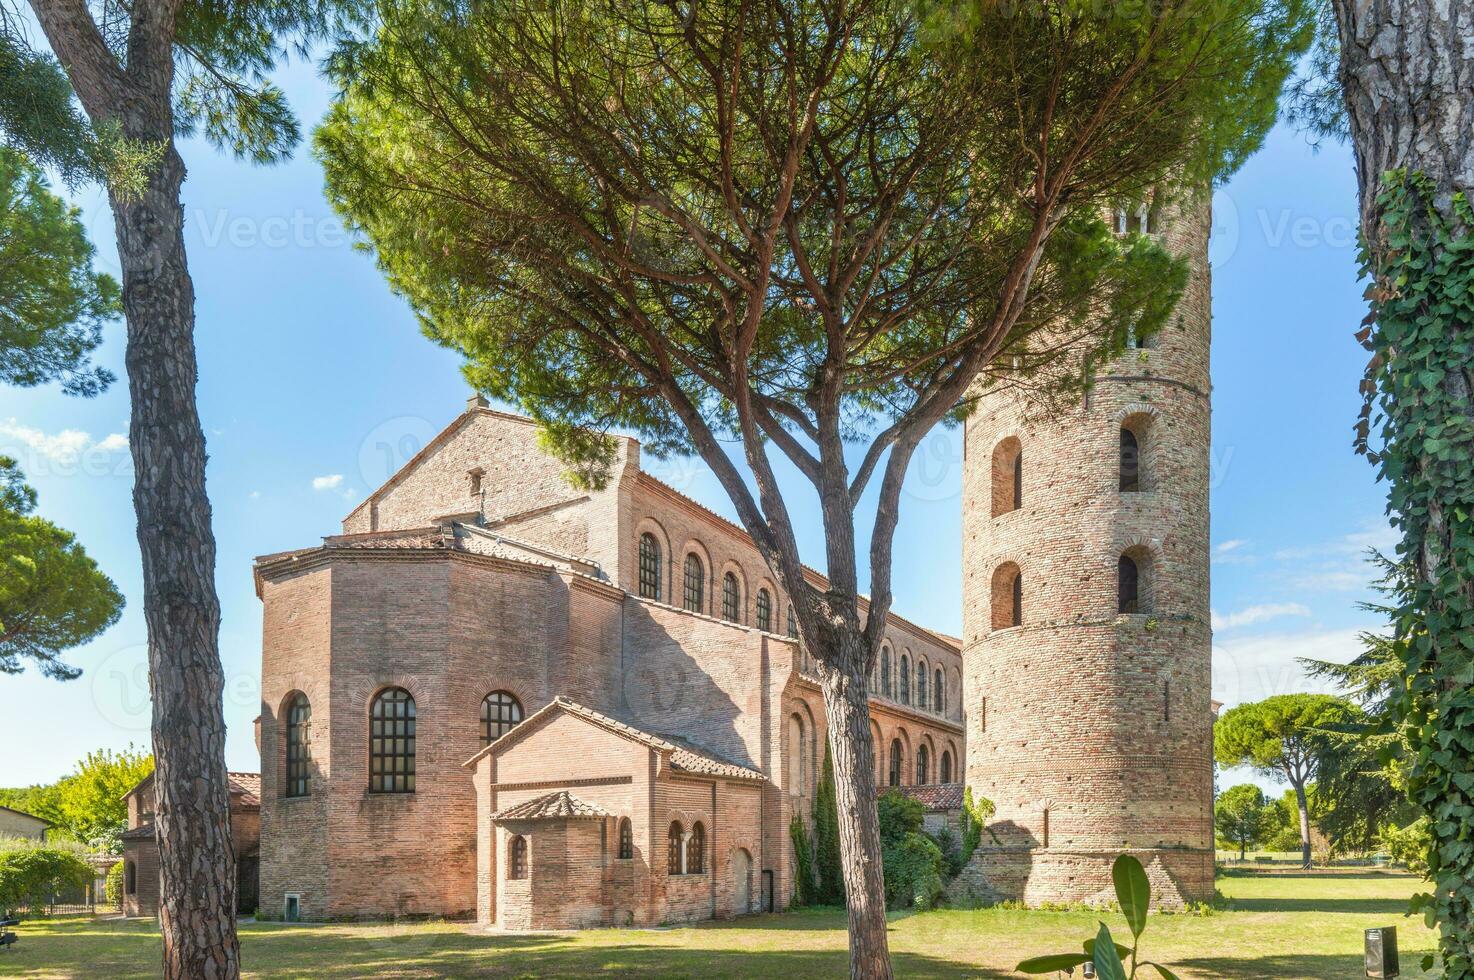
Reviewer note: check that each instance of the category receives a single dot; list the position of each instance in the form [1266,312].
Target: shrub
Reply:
[912,862]
[30,876]
[114,887]
[803,862]
[828,869]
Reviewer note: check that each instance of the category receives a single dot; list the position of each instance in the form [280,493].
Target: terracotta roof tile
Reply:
[934,796]
[249,784]
[561,805]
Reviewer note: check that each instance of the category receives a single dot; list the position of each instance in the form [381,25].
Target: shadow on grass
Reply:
[1364,906]
[1290,966]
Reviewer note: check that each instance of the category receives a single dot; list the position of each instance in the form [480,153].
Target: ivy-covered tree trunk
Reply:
[181,609]
[1407,71]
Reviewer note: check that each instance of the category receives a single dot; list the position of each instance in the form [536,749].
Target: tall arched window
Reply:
[1136,472]
[626,840]
[1134,581]
[764,610]
[731,599]
[517,857]
[946,766]
[693,595]
[905,674]
[500,713]
[799,762]
[894,777]
[885,671]
[392,742]
[299,752]
[696,850]
[792,622]
[921,671]
[675,846]
[1008,476]
[1008,596]
[650,567]
[939,692]
[923,758]
[130,878]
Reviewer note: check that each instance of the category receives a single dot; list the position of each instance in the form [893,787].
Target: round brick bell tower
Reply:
[1086,640]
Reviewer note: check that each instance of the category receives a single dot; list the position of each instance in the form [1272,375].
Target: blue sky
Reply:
[315,383]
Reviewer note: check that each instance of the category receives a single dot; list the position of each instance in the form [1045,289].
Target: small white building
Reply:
[18,823]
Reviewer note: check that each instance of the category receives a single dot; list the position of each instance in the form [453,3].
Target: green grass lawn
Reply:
[1277,927]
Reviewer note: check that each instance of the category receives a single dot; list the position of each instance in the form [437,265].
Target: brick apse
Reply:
[499,696]
[1086,633]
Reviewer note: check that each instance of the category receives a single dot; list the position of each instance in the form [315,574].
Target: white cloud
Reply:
[1233,544]
[1258,614]
[64,448]
[255,495]
[332,482]
[1251,668]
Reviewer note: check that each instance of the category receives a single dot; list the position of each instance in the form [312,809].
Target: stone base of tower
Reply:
[1043,876]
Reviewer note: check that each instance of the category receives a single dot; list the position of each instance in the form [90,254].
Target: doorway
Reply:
[741,882]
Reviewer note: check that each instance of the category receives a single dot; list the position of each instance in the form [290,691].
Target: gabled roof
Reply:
[32,816]
[245,785]
[683,756]
[561,805]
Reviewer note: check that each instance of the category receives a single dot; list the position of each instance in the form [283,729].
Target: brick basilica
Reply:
[494,695]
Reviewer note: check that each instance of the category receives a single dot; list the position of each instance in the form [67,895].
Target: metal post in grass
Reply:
[1381,949]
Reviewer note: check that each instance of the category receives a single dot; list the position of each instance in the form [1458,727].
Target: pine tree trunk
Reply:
[1303,805]
[1407,72]
[180,607]
[847,708]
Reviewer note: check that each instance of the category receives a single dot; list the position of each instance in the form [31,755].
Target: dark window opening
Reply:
[517,858]
[694,593]
[500,713]
[1130,462]
[731,599]
[894,778]
[764,611]
[626,840]
[299,716]
[1128,578]
[649,567]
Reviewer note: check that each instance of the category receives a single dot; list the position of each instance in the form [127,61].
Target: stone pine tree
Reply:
[52,594]
[1240,817]
[1397,78]
[1282,737]
[788,234]
[144,72]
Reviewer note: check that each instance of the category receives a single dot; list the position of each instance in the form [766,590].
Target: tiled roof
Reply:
[561,805]
[249,783]
[934,796]
[144,831]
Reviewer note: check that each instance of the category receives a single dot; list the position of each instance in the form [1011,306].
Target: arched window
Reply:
[1008,476]
[939,692]
[500,713]
[1136,472]
[650,567]
[1130,462]
[130,878]
[885,671]
[764,610]
[299,757]
[792,622]
[675,845]
[517,857]
[1134,581]
[1008,596]
[392,742]
[946,766]
[894,777]
[626,840]
[693,595]
[905,674]
[696,850]
[923,757]
[921,698]
[799,763]
[731,599]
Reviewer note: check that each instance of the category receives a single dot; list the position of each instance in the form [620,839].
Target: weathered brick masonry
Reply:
[1090,727]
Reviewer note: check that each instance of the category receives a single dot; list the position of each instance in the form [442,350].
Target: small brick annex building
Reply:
[496,695]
